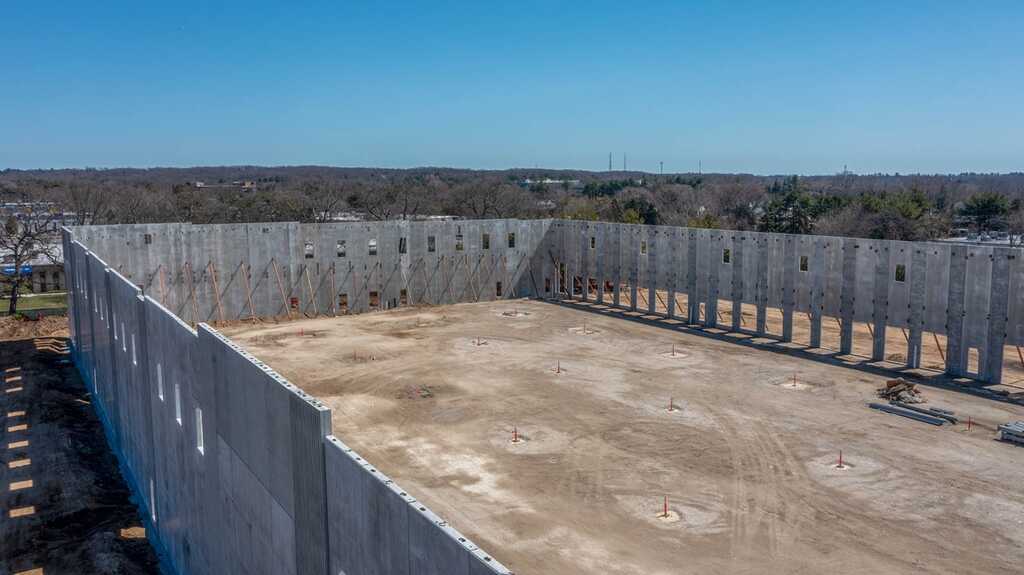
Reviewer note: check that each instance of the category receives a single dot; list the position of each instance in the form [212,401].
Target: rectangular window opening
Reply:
[372,246]
[374,299]
[341,248]
[147,239]
[160,381]
[593,242]
[343,303]
[403,297]
[402,248]
[199,431]
[458,243]
[177,403]
[485,241]
[726,256]
[511,239]
[294,302]
[431,244]
[973,360]
[901,273]
[497,289]
[804,264]
[309,250]
[643,247]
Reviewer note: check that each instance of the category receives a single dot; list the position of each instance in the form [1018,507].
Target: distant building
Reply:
[46,274]
[548,182]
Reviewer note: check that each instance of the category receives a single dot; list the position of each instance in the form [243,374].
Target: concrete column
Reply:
[819,276]
[738,246]
[601,253]
[617,271]
[849,287]
[955,351]
[762,285]
[672,244]
[653,238]
[997,314]
[713,247]
[788,286]
[880,302]
[693,304]
[634,264]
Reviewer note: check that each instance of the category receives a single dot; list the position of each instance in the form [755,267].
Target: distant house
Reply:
[46,274]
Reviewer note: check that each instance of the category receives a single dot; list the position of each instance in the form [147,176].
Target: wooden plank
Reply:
[248,290]
[192,290]
[280,287]
[334,294]
[212,270]
[312,294]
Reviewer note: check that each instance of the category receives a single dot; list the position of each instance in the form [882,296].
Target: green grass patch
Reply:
[37,301]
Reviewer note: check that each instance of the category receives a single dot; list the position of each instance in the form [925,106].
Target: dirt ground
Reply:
[66,508]
[747,460]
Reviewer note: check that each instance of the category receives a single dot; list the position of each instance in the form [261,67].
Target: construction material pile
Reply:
[901,390]
[1013,432]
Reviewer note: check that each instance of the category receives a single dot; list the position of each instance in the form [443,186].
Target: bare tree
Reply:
[87,202]
[323,197]
[24,240]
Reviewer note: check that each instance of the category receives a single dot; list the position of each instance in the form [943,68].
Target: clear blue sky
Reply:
[766,87]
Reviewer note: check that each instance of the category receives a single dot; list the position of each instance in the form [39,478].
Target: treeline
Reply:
[908,207]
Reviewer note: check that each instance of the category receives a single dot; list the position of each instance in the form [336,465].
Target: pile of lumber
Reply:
[901,390]
[1013,432]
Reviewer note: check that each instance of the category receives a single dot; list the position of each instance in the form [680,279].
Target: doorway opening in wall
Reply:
[592,287]
[896,340]
[403,297]
[625,295]
[561,280]
[609,291]
[497,289]
[933,351]
[1013,365]
[831,333]
[748,316]
[547,285]
[773,322]
[863,339]
[374,300]
[660,301]
[343,303]
[802,328]
[577,285]
[642,295]
[294,303]
[973,361]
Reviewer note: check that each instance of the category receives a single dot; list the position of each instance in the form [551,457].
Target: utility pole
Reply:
[609,161]
[661,167]
[623,161]
[700,169]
